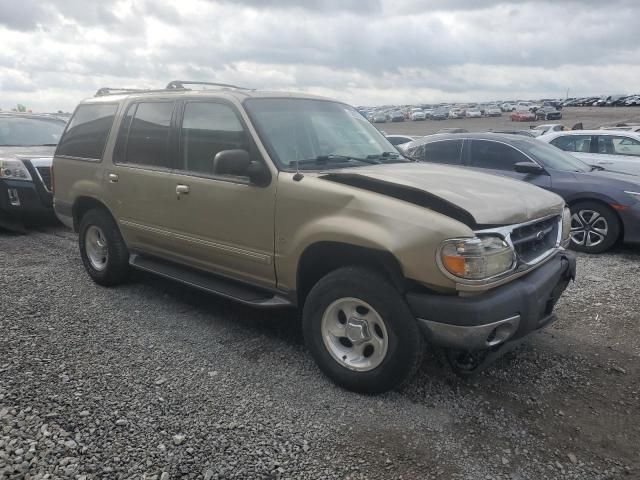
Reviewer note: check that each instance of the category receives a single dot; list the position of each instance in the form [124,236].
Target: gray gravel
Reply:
[152,380]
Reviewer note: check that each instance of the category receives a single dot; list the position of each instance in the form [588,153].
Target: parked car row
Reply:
[619,100]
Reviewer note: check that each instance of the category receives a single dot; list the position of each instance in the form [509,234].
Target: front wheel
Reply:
[361,332]
[104,253]
[595,228]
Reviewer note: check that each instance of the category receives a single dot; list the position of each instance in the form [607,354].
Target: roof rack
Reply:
[180,84]
[112,91]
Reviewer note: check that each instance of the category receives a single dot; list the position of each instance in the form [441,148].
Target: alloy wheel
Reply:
[354,334]
[588,228]
[96,247]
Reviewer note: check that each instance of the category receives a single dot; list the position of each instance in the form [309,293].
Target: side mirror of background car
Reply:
[528,167]
[231,162]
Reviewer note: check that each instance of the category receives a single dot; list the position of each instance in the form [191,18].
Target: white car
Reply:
[617,151]
[473,113]
[632,101]
[418,115]
[526,107]
[493,111]
[456,113]
[549,127]
[396,140]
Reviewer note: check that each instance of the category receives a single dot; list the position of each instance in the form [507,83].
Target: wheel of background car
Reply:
[361,332]
[104,254]
[595,228]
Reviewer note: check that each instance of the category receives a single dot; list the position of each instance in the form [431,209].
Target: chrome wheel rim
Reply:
[588,228]
[354,334]
[96,246]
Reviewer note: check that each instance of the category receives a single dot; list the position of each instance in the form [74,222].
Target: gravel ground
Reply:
[591,117]
[154,381]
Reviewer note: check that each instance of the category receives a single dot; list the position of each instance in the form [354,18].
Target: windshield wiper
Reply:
[331,158]
[388,156]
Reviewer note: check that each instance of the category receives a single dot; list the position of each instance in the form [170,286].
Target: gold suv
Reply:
[276,199]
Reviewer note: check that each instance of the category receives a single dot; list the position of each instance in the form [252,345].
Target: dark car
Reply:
[605,206]
[548,113]
[27,143]
[440,114]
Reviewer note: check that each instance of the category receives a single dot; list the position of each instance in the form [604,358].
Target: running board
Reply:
[216,285]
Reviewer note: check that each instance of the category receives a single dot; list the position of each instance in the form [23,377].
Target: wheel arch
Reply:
[82,205]
[321,258]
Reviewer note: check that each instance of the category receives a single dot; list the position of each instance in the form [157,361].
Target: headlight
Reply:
[476,258]
[635,195]
[566,227]
[14,170]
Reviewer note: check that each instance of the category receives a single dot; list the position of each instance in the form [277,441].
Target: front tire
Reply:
[361,332]
[595,228]
[104,254]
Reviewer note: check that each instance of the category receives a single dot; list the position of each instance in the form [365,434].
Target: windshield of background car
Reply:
[299,130]
[552,157]
[28,132]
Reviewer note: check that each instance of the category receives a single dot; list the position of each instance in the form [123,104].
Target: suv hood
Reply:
[477,199]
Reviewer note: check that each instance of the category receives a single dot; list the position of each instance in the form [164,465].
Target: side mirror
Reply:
[528,167]
[231,162]
[258,173]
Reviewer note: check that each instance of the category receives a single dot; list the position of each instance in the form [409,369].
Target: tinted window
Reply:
[614,145]
[29,131]
[498,156]
[447,151]
[148,139]
[398,140]
[573,143]
[209,128]
[88,131]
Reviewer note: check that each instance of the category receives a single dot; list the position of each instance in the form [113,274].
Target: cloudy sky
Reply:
[54,53]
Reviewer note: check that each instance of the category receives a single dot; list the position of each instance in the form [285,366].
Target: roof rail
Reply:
[113,91]
[180,84]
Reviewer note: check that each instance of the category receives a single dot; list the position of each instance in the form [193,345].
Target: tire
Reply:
[104,254]
[376,302]
[602,227]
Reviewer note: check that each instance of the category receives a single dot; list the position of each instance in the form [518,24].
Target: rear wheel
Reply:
[595,228]
[361,332]
[104,254]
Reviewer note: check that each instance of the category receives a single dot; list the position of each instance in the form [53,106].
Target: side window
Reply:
[207,129]
[145,133]
[494,155]
[88,131]
[447,151]
[619,145]
[573,143]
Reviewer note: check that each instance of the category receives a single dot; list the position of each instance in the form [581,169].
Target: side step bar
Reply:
[223,287]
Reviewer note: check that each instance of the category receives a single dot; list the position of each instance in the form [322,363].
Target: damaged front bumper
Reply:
[501,315]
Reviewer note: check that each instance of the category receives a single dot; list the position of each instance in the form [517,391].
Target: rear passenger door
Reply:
[226,223]
[618,153]
[500,158]
[140,184]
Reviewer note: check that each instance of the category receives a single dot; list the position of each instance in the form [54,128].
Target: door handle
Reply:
[113,178]
[182,190]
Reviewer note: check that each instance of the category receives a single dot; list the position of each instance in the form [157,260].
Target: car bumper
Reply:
[502,315]
[20,198]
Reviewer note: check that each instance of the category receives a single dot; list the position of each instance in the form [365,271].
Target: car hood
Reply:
[627,178]
[26,153]
[475,198]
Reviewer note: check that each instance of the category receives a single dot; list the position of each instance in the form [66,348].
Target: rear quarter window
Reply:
[88,131]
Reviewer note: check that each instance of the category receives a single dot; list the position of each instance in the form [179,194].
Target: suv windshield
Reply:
[28,132]
[552,157]
[317,134]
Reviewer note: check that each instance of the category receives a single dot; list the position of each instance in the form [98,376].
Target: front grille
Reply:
[45,175]
[533,240]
